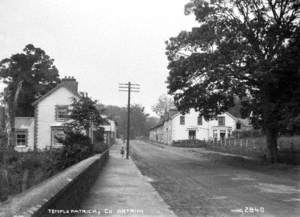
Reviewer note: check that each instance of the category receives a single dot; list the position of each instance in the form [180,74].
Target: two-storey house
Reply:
[175,126]
[51,112]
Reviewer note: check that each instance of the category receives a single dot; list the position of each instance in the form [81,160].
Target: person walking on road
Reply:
[122,151]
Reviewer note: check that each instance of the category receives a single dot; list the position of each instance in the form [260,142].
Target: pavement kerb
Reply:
[163,203]
[173,150]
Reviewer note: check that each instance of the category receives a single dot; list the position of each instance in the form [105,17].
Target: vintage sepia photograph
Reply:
[150,108]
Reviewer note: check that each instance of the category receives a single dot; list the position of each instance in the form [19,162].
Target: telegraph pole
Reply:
[128,87]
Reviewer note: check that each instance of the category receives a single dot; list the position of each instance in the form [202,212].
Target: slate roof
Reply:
[52,91]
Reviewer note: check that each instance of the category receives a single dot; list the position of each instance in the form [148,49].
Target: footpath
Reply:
[121,191]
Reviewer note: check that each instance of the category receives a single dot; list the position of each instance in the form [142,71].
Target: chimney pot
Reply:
[70,83]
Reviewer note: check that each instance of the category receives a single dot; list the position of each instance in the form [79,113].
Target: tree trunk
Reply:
[12,129]
[270,121]
[4,185]
[271,141]
[25,179]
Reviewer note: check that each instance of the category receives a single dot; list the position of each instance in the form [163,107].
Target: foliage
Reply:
[248,49]
[76,148]
[189,143]
[41,165]
[151,122]
[35,69]
[84,115]
[99,145]
[139,119]
[77,144]
[165,102]
[246,134]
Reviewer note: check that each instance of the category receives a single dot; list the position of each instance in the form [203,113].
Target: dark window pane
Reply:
[182,120]
[221,121]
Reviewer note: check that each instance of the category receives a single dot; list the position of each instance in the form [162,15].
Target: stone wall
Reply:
[63,191]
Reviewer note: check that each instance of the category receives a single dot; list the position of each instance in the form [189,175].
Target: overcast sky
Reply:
[100,43]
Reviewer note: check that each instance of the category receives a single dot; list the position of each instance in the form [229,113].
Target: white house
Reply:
[51,112]
[110,130]
[175,126]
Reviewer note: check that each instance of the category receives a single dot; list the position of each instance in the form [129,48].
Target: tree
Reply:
[165,102]
[151,122]
[84,115]
[28,75]
[138,119]
[248,49]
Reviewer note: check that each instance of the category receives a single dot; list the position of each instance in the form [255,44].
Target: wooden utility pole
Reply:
[128,87]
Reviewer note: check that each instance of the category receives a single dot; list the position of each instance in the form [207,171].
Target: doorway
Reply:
[192,134]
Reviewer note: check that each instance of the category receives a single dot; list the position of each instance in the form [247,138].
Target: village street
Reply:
[196,182]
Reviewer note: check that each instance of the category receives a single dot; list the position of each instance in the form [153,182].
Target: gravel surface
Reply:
[197,182]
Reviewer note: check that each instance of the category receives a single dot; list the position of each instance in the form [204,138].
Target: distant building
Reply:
[110,131]
[175,126]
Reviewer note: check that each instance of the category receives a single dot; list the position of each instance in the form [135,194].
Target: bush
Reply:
[38,166]
[100,147]
[189,143]
[247,134]
[76,147]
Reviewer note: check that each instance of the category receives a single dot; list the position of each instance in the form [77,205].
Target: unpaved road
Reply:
[196,182]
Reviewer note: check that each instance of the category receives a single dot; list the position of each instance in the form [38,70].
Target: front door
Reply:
[222,136]
[192,134]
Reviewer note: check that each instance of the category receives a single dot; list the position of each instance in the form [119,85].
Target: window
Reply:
[21,137]
[182,120]
[221,121]
[57,135]
[61,112]
[238,125]
[199,120]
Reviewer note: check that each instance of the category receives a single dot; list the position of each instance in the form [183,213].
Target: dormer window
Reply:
[61,112]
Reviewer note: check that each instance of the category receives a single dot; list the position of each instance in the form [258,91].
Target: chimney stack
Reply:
[70,83]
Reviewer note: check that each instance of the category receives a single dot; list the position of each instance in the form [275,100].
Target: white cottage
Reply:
[51,112]
[175,126]
[110,130]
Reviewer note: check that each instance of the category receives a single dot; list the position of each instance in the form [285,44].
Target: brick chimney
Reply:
[70,83]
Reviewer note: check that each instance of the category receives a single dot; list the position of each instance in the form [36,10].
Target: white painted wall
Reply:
[46,115]
[181,132]
[26,123]
[230,123]
[172,130]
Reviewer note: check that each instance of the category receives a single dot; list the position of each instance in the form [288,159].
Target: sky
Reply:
[100,43]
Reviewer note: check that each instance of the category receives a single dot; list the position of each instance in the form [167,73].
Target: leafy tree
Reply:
[164,103]
[76,148]
[151,122]
[248,49]
[138,119]
[77,143]
[36,72]
[27,75]
[84,115]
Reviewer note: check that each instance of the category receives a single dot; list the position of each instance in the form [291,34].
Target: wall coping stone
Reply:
[27,203]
